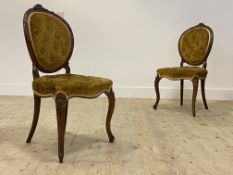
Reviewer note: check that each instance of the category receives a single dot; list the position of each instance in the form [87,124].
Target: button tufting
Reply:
[42,52]
[57,36]
[54,46]
[63,53]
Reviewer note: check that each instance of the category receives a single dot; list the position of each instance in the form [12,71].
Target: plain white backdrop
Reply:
[125,40]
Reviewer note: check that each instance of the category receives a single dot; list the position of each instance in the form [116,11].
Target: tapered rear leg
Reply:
[37,102]
[181,91]
[111,106]
[61,110]
[203,93]
[195,81]
[156,84]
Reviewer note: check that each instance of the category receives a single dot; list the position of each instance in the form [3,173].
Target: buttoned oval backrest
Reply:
[195,44]
[49,39]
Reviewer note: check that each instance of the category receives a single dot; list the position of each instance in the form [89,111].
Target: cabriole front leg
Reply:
[156,84]
[111,106]
[195,81]
[61,110]
[37,102]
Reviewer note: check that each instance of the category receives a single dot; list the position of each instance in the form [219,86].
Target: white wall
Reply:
[125,40]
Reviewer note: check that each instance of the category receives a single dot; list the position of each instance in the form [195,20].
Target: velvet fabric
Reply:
[71,85]
[177,73]
[194,44]
[50,39]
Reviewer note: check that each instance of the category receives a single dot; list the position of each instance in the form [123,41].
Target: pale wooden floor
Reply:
[168,141]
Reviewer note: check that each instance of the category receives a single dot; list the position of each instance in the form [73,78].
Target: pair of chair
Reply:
[50,44]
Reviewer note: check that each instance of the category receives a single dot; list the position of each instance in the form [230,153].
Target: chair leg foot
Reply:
[60,156]
[156,85]
[195,81]
[61,110]
[203,93]
[37,102]
[111,106]
[111,138]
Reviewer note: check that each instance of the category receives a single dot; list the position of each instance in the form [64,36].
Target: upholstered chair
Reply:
[50,44]
[194,47]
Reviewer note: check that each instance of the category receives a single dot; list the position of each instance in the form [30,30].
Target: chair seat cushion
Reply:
[71,85]
[177,73]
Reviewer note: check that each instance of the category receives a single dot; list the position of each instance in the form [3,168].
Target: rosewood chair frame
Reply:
[61,101]
[195,79]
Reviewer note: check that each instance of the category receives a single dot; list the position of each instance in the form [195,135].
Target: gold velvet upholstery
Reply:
[177,73]
[50,40]
[194,45]
[71,85]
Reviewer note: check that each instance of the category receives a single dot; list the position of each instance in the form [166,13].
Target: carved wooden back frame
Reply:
[35,66]
[204,62]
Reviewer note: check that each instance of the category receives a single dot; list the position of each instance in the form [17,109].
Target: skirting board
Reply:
[172,93]
[135,92]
